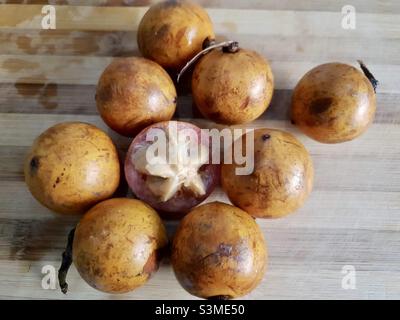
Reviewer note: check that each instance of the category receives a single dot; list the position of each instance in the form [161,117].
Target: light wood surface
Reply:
[353,214]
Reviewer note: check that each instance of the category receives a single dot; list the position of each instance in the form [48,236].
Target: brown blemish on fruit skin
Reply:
[180,34]
[282,178]
[333,103]
[265,137]
[151,265]
[34,165]
[321,105]
[111,248]
[226,259]
[245,103]
[74,171]
[134,93]
[162,32]
[237,86]
[172,32]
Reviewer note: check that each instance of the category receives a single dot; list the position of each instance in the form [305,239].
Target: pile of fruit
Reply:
[218,250]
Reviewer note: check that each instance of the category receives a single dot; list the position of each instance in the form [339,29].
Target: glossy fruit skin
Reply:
[232,88]
[218,251]
[117,245]
[133,93]
[183,201]
[282,178]
[72,166]
[333,103]
[173,32]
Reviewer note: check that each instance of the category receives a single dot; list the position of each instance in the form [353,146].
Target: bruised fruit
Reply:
[218,252]
[72,166]
[232,85]
[172,32]
[168,165]
[282,178]
[334,102]
[117,243]
[133,93]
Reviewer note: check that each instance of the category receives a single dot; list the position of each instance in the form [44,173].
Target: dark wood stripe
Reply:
[11,163]
[79,99]
[30,239]
[47,98]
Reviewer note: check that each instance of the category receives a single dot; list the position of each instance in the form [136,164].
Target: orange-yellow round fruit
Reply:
[232,87]
[72,166]
[173,32]
[281,180]
[134,93]
[219,252]
[333,103]
[117,245]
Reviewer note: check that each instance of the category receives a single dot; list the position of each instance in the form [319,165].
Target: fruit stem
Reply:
[227,46]
[369,75]
[66,263]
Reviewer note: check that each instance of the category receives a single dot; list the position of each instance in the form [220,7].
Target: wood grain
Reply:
[371,6]
[66,43]
[280,22]
[123,43]
[73,70]
[352,216]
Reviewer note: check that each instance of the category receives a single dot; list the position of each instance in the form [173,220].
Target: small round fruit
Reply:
[72,166]
[117,245]
[333,103]
[232,87]
[168,165]
[218,252]
[172,32]
[133,93]
[282,178]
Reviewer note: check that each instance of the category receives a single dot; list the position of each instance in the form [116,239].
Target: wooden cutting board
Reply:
[353,216]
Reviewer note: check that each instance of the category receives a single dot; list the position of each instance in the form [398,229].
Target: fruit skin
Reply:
[333,103]
[183,201]
[282,178]
[218,251]
[133,93]
[116,245]
[232,88]
[72,166]
[173,32]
